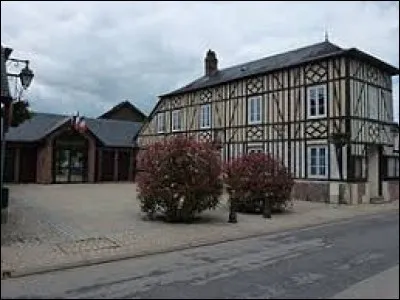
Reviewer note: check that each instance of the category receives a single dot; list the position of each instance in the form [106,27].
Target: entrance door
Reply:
[70,165]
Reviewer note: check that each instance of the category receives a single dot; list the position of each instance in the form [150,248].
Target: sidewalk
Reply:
[384,285]
[18,260]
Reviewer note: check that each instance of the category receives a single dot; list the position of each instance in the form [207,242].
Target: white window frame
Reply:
[255,149]
[205,119]
[318,165]
[254,117]
[316,89]
[161,126]
[176,118]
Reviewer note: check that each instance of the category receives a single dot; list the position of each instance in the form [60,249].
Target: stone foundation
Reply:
[311,191]
[342,192]
[391,190]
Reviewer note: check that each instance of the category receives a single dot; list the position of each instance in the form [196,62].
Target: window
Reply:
[318,161]
[392,167]
[161,122]
[255,149]
[359,164]
[205,116]
[176,120]
[373,104]
[254,110]
[317,101]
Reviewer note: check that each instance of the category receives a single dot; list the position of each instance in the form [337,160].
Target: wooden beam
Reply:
[99,164]
[116,154]
[17,156]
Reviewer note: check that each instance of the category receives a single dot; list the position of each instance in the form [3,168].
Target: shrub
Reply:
[179,177]
[254,177]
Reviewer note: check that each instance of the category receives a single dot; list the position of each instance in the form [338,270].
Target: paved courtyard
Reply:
[65,224]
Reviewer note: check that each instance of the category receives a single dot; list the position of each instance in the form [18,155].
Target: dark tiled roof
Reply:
[115,133]
[263,65]
[126,104]
[279,61]
[112,133]
[5,92]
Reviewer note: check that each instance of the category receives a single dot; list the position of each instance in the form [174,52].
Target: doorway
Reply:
[70,165]
[70,159]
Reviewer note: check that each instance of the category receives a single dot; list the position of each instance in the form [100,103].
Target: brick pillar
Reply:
[16,164]
[116,152]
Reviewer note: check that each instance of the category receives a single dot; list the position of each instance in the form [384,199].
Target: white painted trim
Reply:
[173,113]
[249,102]
[317,115]
[255,146]
[208,117]
[309,147]
[159,115]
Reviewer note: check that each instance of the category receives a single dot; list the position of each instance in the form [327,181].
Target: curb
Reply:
[8,274]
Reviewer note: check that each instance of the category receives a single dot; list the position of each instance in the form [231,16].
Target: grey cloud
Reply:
[89,56]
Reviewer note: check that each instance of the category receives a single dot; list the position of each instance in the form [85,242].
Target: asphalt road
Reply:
[317,262]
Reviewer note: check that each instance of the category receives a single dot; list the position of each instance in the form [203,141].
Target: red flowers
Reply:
[181,177]
[257,175]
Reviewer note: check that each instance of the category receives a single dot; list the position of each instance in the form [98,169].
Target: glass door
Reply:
[62,165]
[70,165]
[76,166]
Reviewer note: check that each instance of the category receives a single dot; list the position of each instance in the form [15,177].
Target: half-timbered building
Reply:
[324,111]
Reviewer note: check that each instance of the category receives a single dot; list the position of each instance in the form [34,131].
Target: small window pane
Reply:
[322,170]
[313,111]
[313,170]
[312,94]
[313,151]
[322,152]
[321,109]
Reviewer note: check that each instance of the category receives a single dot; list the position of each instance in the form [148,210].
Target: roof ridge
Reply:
[282,53]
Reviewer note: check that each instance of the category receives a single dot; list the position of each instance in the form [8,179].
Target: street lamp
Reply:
[25,76]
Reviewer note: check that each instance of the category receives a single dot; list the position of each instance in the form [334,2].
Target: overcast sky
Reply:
[89,56]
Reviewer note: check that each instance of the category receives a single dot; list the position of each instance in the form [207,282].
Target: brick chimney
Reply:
[210,63]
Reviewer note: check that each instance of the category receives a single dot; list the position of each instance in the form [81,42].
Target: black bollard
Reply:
[267,208]
[232,211]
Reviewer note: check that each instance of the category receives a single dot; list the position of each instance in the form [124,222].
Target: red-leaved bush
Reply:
[258,176]
[179,177]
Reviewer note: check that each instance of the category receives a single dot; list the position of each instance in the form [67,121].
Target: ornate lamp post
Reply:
[25,76]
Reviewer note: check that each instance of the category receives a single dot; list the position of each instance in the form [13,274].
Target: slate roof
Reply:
[123,104]
[279,61]
[112,133]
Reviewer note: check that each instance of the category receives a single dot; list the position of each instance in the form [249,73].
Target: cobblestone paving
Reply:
[55,224]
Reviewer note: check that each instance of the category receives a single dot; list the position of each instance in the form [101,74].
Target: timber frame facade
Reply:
[356,128]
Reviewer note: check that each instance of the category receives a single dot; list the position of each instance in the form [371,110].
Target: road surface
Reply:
[318,262]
